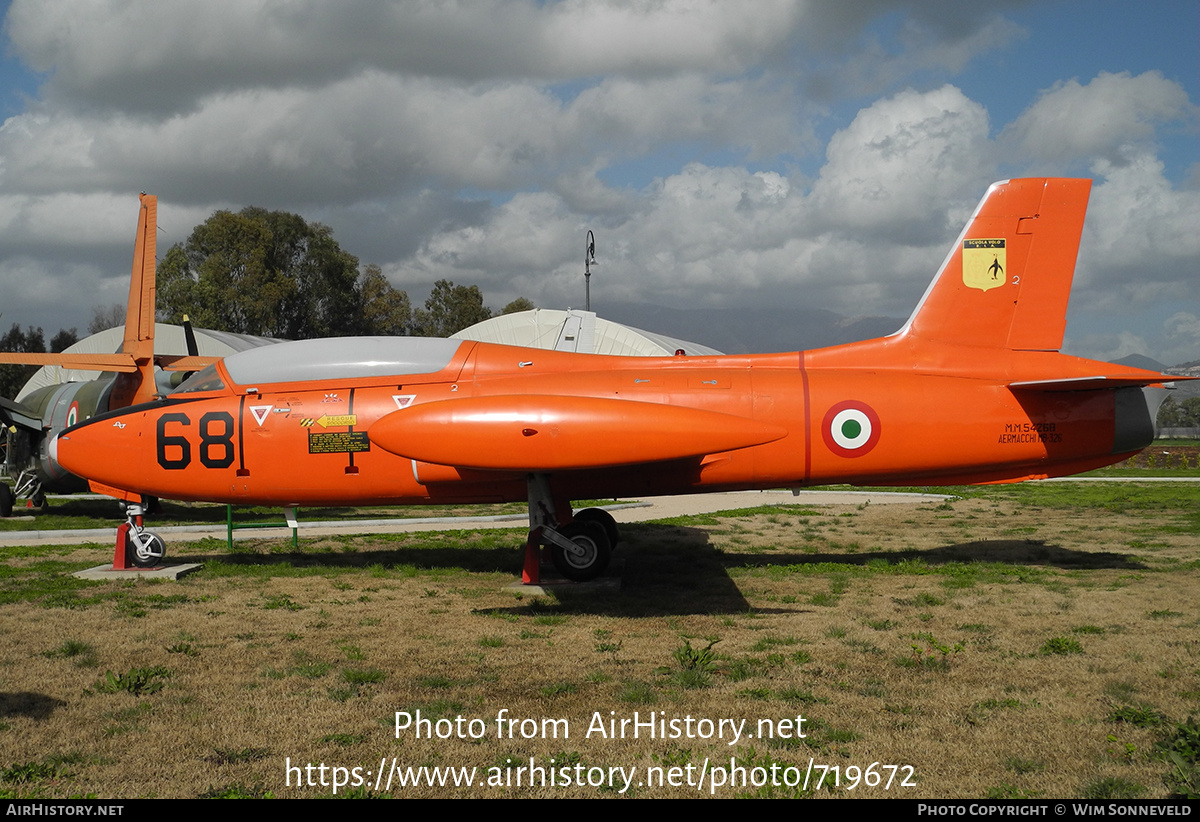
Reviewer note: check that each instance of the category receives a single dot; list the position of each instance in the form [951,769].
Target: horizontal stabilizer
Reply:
[554,433]
[14,413]
[79,362]
[1096,383]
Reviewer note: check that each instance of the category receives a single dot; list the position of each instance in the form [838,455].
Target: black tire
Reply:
[6,500]
[589,536]
[149,558]
[605,520]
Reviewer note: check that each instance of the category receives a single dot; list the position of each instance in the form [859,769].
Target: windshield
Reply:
[205,380]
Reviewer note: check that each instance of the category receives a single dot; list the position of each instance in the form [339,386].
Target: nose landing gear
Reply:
[142,548]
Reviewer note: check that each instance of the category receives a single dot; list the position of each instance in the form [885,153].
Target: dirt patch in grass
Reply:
[1165,456]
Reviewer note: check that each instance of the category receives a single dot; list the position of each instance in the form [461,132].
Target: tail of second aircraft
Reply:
[138,386]
[136,360]
[1006,281]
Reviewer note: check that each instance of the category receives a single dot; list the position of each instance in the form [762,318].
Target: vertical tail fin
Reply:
[136,361]
[139,314]
[1007,280]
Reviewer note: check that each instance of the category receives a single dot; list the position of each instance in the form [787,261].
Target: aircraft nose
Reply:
[84,451]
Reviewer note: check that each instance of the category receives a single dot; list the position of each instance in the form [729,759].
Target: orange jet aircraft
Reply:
[971,390]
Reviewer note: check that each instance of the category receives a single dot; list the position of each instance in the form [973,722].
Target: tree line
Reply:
[1181,414]
[273,274]
[30,341]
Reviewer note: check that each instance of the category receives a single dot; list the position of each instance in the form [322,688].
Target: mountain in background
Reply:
[1139,361]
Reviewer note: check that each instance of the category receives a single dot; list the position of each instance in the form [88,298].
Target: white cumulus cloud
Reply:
[1106,118]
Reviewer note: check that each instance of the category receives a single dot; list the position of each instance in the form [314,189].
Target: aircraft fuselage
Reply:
[789,420]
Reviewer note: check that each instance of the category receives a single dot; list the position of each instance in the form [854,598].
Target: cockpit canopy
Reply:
[328,359]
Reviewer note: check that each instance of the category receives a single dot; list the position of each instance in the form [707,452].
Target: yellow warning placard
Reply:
[338,442]
[984,265]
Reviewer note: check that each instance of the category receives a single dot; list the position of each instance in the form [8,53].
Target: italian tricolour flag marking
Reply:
[850,428]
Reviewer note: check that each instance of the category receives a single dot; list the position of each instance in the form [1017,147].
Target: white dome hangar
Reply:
[579,331]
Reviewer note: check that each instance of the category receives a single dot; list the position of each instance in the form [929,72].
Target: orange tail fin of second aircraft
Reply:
[1007,280]
[135,362]
[138,386]
[139,313]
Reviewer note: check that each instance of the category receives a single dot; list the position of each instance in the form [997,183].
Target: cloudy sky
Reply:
[773,153]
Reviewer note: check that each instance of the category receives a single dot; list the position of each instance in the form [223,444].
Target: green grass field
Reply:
[1034,640]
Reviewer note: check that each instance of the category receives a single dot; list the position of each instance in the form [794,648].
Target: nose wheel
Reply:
[135,545]
[144,548]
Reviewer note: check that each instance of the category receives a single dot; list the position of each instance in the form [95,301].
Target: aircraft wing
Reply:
[557,433]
